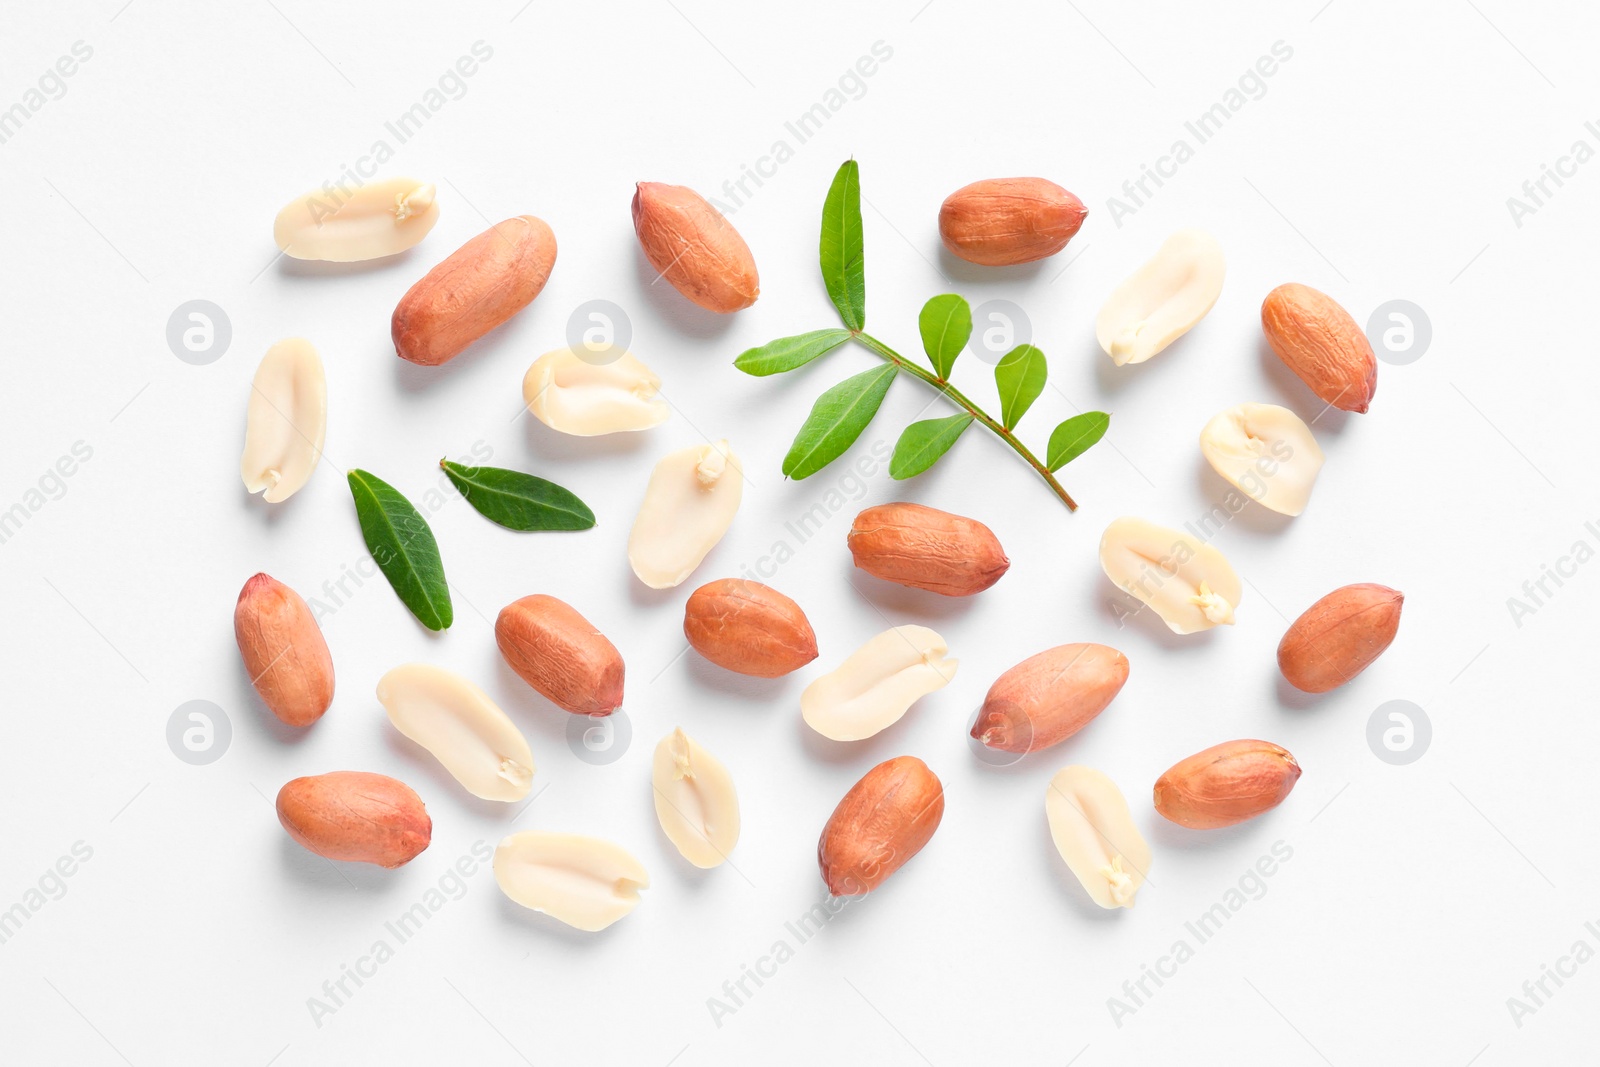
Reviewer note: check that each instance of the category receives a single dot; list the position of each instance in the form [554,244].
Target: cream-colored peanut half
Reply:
[376,220]
[463,729]
[582,881]
[1163,299]
[1267,452]
[695,800]
[1094,832]
[1190,585]
[689,504]
[286,420]
[878,683]
[568,393]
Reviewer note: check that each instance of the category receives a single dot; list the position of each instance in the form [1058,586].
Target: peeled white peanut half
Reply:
[695,800]
[566,392]
[1189,584]
[286,420]
[583,881]
[878,683]
[688,505]
[461,726]
[1267,452]
[1162,300]
[345,226]
[1095,834]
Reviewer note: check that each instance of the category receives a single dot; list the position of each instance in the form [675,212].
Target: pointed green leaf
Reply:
[788,353]
[836,420]
[844,269]
[1020,376]
[404,548]
[518,501]
[946,323]
[1075,437]
[922,443]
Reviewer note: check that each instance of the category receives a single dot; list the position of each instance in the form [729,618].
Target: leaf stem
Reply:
[959,398]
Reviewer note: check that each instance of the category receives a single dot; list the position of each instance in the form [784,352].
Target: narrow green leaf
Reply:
[399,539]
[922,443]
[836,420]
[1020,376]
[789,353]
[946,323]
[1075,437]
[844,268]
[518,501]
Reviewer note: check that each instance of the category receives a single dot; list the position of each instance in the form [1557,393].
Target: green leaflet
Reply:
[922,443]
[518,501]
[788,353]
[946,323]
[1074,437]
[836,420]
[404,548]
[1020,376]
[844,268]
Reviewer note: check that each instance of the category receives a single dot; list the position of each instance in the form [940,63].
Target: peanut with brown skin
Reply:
[926,548]
[356,816]
[1226,784]
[1047,698]
[1001,221]
[1319,341]
[1339,636]
[885,819]
[283,651]
[561,654]
[748,628]
[693,246]
[476,288]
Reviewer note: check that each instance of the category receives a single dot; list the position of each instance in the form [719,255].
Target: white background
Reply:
[1376,166]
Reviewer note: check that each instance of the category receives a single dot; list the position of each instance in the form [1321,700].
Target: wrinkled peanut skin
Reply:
[1339,636]
[694,247]
[356,816]
[1226,784]
[748,628]
[1047,698]
[560,654]
[881,823]
[926,548]
[283,650]
[1001,221]
[478,287]
[1319,341]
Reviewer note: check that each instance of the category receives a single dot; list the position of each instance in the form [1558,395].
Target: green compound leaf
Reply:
[1075,437]
[844,268]
[836,420]
[518,501]
[789,353]
[1020,376]
[403,546]
[922,443]
[946,323]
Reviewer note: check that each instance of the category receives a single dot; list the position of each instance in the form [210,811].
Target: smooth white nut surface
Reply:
[286,420]
[878,683]
[1190,584]
[568,393]
[689,504]
[1267,452]
[379,219]
[582,881]
[1163,299]
[463,729]
[1094,832]
[695,800]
